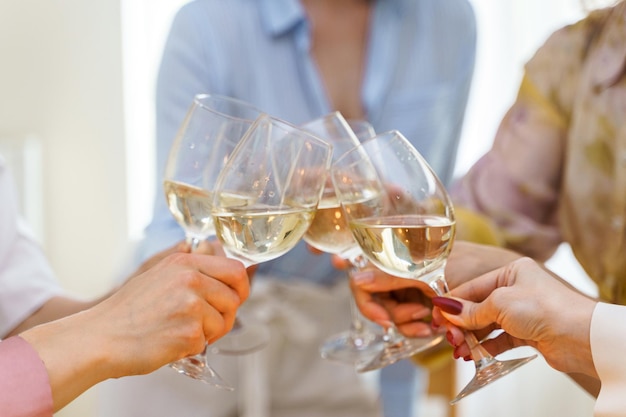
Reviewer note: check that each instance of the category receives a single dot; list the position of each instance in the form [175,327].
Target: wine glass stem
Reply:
[356,324]
[479,354]
[357,328]
[194,242]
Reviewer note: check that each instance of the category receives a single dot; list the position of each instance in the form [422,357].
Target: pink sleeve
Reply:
[24,384]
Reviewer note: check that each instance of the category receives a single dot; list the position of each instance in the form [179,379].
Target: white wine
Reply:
[191,207]
[329,231]
[257,233]
[405,245]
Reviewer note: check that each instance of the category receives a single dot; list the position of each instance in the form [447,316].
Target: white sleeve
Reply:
[26,279]
[608,348]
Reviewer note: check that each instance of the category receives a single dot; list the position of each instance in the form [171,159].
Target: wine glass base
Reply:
[241,340]
[349,348]
[487,374]
[402,349]
[197,368]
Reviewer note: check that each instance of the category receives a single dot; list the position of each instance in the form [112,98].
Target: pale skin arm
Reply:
[197,298]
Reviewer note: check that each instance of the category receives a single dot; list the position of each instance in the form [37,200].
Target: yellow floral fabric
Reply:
[557,169]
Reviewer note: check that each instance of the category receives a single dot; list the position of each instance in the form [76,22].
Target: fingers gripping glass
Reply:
[403,219]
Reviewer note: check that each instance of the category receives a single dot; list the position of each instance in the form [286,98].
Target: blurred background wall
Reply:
[61,88]
[76,86]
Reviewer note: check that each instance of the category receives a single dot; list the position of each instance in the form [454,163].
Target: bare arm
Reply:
[125,335]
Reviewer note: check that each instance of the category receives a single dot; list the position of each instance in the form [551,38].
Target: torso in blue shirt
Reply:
[419,68]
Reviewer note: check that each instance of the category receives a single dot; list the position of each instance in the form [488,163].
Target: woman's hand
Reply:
[383,298]
[168,312]
[530,306]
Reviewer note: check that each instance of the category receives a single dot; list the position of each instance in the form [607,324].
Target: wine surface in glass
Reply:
[329,231]
[257,233]
[407,246]
[190,206]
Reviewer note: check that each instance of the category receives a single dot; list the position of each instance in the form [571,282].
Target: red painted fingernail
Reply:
[450,338]
[449,305]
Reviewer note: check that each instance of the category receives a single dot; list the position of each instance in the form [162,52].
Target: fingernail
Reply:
[363,277]
[449,305]
[384,323]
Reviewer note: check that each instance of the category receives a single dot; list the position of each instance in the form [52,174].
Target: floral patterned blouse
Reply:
[557,169]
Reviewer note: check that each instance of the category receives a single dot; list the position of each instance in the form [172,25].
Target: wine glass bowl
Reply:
[191,208]
[329,231]
[403,219]
[210,131]
[267,194]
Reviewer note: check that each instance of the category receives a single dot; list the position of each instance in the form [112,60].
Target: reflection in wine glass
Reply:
[405,225]
[329,233]
[210,131]
[267,194]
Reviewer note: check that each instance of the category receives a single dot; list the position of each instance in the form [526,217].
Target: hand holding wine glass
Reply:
[210,131]
[403,219]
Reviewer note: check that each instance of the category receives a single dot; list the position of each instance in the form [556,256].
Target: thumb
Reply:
[463,313]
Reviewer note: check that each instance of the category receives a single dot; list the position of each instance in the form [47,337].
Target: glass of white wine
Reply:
[210,131]
[404,222]
[267,194]
[329,233]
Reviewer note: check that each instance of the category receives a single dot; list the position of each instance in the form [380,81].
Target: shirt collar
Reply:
[280,16]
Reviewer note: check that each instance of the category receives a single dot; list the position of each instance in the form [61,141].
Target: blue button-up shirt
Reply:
[419,66]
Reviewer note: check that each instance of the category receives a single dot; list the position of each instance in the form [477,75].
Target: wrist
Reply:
[71,354]
[574,327]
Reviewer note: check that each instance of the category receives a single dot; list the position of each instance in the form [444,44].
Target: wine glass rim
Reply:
[363,144]
[292,126]
[200,99]
[333,114]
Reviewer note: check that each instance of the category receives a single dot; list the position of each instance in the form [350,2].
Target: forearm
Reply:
[54,309]
[75,359]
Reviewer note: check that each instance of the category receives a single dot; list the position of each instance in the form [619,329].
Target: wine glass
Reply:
[329,233]
[266,196]
[402,217]
[210,131]
[395,346]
